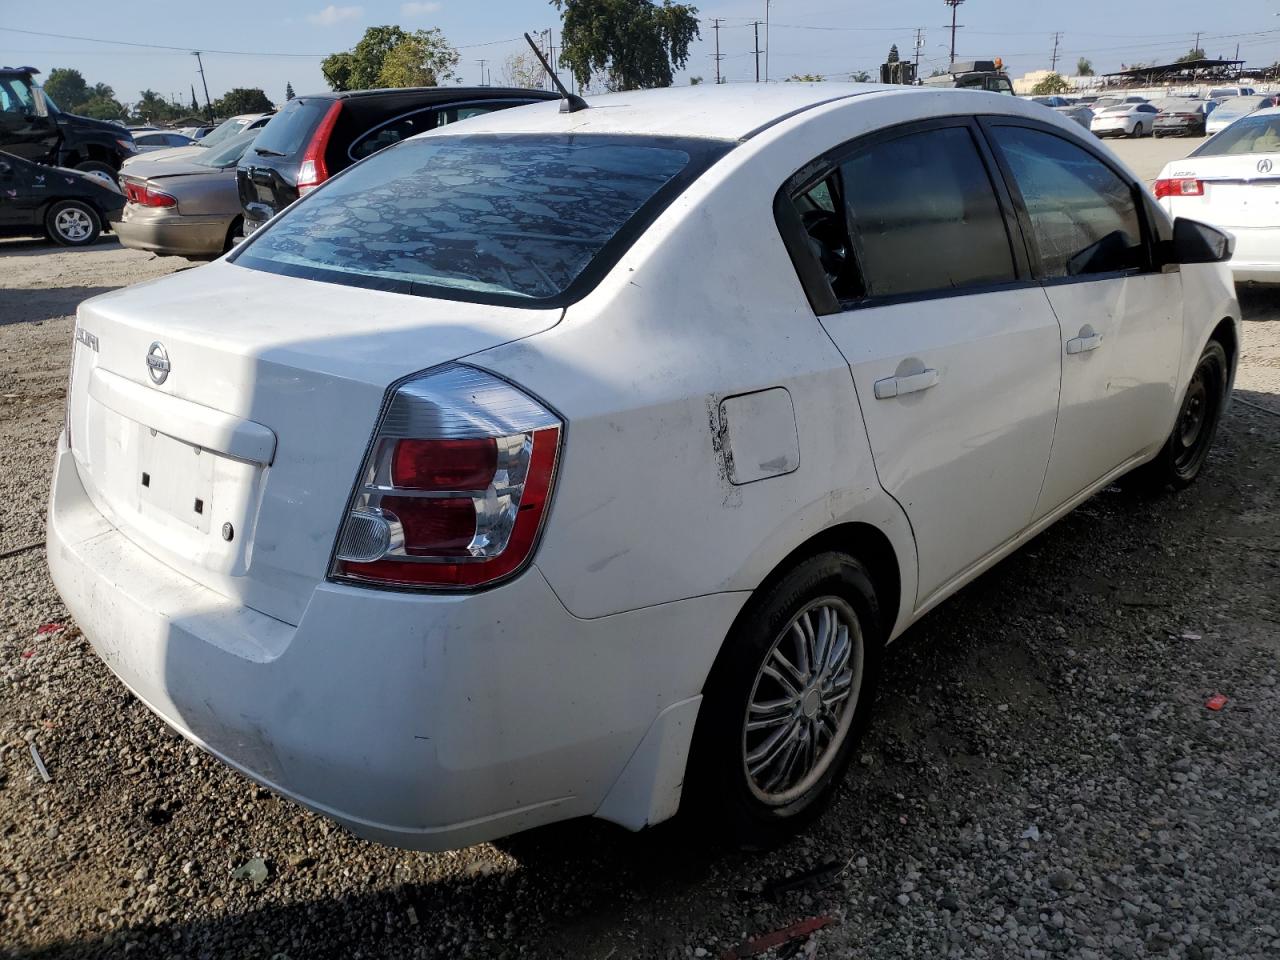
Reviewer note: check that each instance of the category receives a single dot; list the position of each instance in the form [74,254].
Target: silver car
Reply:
[185,208]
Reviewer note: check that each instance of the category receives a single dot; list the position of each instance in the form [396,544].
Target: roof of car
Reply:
[722,112]
[433,94]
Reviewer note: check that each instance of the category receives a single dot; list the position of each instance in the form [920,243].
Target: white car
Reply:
[1125,120]
[1232,109]
[577,463]
[1232,181]
[219,135]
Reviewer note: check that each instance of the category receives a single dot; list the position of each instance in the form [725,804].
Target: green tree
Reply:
[152,108]
[633,43]
[893,54]
[242,100]
[288,91]
[102,107]
[522,69]
[425,60]
[694,81]
[804,78]
[67,87]
[1053,83]
[860,76]
[1190,55]
[422,59]
[1084,67]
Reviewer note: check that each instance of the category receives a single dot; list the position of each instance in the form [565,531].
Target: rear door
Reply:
[1120,316]
[952,347]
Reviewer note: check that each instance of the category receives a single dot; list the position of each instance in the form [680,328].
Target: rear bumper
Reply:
[175,236]
[429,722]
[1257,254]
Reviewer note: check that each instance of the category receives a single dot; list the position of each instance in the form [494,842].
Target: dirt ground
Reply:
[1042,778]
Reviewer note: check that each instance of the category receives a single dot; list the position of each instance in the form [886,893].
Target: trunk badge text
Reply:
[158,362]
[87,338]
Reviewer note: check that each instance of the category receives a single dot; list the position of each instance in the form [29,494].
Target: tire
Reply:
[98,168]
[1181,459]
[1137,131]
[757,788]
[72,223]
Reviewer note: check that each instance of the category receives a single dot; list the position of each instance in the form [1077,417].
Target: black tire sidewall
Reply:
[1162,472]
[717,783]
[51,216]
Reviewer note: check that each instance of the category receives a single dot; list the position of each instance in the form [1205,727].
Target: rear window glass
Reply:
[223,132]
[1251,134]
[229,152]
[506,219]
[288,130]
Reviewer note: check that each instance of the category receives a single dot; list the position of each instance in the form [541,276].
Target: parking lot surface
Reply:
[1043,777]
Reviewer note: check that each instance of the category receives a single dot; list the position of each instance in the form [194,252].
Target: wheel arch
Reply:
[1225,334]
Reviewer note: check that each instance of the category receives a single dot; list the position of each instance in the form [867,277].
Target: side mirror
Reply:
[38,99]
[1196,242]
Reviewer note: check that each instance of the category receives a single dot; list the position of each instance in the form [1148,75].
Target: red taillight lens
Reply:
[454,491]
[313,171]
[140,194]
[1179,187]
[444,464]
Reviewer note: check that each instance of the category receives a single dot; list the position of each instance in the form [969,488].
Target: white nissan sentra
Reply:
[585,463]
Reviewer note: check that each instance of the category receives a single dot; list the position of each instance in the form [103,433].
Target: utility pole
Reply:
[756,25]
[953,4]
[1057,38]
[766,40]
[715,25]
[482,63]
[208,107]
[1196,46]
[919,47]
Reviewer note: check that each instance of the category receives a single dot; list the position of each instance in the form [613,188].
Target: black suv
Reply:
[314,137]
[33,128]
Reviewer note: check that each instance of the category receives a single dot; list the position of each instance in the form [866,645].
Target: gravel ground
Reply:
[1043,778]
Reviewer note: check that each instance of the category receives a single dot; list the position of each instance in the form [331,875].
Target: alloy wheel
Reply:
[73,224]
[803,701]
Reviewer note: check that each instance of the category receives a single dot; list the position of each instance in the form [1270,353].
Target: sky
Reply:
[268,43]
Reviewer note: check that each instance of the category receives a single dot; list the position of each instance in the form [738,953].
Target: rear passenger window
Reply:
[394,131]
[924,215]
[1083,216]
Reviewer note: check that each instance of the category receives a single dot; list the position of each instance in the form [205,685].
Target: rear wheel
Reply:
[98,169]
[1137,131]
[72,223]
[786,702]
[1183,456]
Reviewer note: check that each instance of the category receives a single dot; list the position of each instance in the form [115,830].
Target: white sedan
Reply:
[585,462]
[1125,120]
[1233,181]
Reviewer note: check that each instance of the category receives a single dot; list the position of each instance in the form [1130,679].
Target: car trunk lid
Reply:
[218,417]
[1239,191]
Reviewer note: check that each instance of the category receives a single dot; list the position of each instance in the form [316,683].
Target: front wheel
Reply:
[1137,131]
[72,223]
[1183,456]
[786,702]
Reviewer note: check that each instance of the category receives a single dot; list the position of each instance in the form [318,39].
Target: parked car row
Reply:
[1133,115]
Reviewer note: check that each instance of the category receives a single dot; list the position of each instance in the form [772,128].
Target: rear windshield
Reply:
[228,152]
[1239,105]
[223,132]
[1251,134]
[288,130]
[527,220]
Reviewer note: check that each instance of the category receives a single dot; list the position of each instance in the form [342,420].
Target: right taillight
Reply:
[455,487]
[313,171]
[143,195]
[1179,187]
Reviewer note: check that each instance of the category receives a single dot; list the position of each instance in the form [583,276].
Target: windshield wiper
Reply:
[264,152]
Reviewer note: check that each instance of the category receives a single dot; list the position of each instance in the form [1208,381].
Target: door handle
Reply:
[1084,344]
[897,386]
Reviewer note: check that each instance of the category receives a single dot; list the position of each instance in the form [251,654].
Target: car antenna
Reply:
[570,102]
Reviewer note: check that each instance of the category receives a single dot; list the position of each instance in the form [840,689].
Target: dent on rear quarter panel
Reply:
[706,306]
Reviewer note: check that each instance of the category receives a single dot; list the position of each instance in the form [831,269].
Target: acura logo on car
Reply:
[158,362]
[1264,166]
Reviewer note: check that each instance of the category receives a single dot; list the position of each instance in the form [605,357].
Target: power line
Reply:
[186,49]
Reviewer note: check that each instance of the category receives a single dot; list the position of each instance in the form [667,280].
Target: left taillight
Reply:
[454,490]
[144,196]
[313,170]
[1179,187]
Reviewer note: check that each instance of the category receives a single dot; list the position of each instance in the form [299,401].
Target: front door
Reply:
[1120,316]
[26,130]
[953,349]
